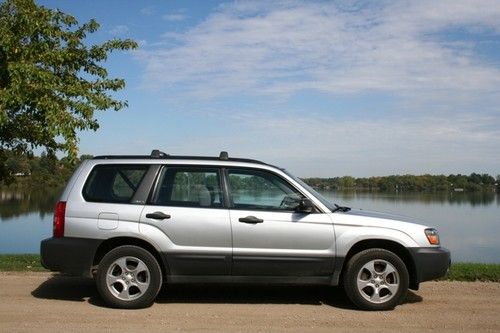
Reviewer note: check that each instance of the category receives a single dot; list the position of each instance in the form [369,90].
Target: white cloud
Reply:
[174,17]
[326,146]
[444,114]
[281,48]
[148,10]
[119,30]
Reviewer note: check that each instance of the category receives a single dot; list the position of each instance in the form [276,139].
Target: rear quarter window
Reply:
[113,183]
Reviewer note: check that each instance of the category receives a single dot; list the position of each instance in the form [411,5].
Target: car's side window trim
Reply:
[228,202]
[148,182]
[158,179]
[229,196]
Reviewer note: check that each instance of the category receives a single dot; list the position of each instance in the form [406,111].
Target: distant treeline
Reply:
[24,171]
[409,183]
[46,170]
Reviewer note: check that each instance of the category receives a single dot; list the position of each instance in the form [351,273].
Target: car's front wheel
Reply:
[376,279]
[128,277]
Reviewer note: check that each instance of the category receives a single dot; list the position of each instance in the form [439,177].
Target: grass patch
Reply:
[458,271]
[20,263]
[473,272]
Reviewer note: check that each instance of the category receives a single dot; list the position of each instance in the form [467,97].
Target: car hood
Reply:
[361,217]
[384,215]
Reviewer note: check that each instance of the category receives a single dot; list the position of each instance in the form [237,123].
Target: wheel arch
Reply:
[385,244]
[115,242]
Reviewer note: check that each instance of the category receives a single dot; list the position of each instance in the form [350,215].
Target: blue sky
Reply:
[322,88]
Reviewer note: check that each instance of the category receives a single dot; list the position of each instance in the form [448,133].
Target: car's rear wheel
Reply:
[128,277]
[376,279]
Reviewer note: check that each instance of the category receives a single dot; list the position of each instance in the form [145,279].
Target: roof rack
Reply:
[157,154]
[223,156]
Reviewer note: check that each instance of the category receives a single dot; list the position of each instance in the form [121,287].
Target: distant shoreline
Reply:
[410,183]
[47,171]
[384,184]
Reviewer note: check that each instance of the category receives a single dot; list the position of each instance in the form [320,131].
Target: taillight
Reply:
[59,213]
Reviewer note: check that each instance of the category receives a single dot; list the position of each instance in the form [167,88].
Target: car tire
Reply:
[376,279]
[128,277]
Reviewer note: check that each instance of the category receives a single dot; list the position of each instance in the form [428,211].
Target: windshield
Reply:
[318,196]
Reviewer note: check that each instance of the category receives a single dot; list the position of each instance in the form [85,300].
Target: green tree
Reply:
[18,165]
[51,81]
[347,182]
[86,157]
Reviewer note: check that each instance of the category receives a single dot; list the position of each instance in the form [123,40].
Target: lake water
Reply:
[469,224]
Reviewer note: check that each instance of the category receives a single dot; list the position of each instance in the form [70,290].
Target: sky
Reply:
[321,88]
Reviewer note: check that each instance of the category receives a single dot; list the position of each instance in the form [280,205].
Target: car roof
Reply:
[159,155]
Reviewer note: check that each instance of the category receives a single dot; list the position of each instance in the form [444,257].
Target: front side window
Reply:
[113,183]
[261,190]
[188,187]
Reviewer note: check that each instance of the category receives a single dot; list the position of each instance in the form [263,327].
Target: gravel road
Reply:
[42,302]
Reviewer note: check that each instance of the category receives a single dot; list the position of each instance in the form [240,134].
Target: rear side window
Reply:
[189,187]
[113,183]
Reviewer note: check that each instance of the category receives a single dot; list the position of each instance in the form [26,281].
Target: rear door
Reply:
[110,200]
[269,237]
[188,207]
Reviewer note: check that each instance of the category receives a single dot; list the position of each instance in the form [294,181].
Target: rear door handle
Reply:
[250,219]
[157,216]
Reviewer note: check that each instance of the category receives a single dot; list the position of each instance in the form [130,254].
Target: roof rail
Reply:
[157,154]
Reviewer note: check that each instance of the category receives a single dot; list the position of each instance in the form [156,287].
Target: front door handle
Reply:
[250,219]
[157,216]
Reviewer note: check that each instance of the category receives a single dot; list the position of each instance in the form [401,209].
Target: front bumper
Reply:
[73,256]
[430,262]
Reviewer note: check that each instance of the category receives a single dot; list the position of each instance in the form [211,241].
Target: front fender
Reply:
[348,235]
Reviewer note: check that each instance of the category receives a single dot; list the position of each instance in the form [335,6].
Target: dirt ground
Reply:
[42,302]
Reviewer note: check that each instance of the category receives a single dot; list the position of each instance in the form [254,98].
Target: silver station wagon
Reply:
[137,222]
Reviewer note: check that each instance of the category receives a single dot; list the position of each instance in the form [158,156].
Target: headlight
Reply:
[432,236]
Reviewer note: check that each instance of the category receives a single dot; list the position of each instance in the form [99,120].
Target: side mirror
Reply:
[305,206]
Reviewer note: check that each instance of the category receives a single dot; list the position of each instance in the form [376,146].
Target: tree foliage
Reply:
[51,81]
[38,172]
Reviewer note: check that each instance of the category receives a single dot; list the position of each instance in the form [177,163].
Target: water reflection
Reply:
[15,203]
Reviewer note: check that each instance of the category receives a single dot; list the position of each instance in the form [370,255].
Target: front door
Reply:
[269,237]
[187,206]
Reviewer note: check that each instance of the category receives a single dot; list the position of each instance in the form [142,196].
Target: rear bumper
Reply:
[73,256]
[430,262]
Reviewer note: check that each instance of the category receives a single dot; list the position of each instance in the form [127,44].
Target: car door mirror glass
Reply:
[305,206]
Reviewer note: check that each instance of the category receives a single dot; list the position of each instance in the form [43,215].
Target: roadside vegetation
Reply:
[20,263]
[458,271]
[473,272]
